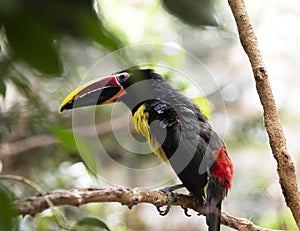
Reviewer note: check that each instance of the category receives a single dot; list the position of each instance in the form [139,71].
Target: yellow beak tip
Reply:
[62,108]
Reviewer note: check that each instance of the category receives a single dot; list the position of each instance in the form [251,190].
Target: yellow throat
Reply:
[140,122]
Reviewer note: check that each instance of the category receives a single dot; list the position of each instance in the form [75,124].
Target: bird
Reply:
[175,128]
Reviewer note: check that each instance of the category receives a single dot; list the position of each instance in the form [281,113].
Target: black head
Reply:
[136,75]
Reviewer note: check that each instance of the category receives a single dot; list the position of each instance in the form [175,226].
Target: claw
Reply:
[186,211]
[165,212]
[171,198]
[159,210]
[202,201]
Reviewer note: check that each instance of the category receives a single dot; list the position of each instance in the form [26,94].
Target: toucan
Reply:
[175,128]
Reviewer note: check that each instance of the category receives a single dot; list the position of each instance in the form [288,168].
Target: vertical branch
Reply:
[285,166]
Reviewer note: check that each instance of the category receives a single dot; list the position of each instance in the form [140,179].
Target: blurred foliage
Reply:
[8,120]
[6,211]
[32,27]
[249,132]
[90,223]
[203,103]
[67,139]
[193,12]
[4,65]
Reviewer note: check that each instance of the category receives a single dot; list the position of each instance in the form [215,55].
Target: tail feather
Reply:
[215,195]
[213,216]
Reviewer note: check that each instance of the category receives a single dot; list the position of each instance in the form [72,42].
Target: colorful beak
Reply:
[103,91]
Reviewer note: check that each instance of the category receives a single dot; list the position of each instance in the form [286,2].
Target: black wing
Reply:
[178,133]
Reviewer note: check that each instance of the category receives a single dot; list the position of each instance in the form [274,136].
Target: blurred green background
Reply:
[47,47]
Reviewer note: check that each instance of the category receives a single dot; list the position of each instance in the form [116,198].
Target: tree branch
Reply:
[285,166]
[125,196]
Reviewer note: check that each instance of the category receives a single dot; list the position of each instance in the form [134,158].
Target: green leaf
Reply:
[5,63]
[33,29]
[65,136]
[203,105]
[2,87]
[87,156]
[6,211]
[85,23]
[4,66]
[77,145]
[193,12]
[91,222]
[46,222]
[33,41]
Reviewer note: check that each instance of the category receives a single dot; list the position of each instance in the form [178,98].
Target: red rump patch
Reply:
[223,167]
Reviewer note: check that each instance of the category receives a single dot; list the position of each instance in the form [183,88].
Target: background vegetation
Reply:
[48,46]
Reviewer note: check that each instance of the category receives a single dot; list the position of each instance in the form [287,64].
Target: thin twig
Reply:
[23,145]
[285,166]
[60,219]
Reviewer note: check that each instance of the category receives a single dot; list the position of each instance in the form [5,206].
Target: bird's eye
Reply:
[122,77]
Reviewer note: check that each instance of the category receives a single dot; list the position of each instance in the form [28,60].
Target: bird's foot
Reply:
[200,203]
[186,210]
[171,198]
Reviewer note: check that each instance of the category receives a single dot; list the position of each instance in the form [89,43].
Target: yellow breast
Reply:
[140,122]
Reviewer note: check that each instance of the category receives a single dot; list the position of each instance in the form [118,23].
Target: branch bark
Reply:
[128,197]
[285,166]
